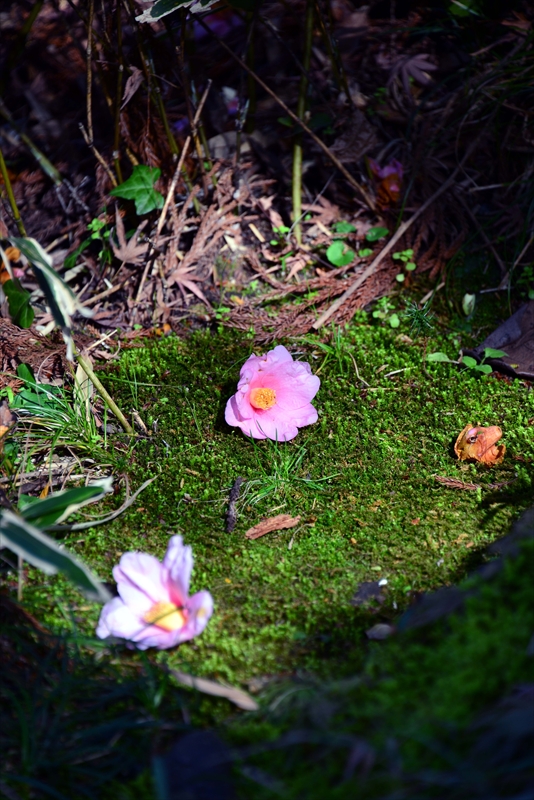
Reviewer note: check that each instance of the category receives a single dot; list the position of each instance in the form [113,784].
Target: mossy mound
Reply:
[362,479]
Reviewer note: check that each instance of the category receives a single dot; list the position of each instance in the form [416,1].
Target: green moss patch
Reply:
[365,489]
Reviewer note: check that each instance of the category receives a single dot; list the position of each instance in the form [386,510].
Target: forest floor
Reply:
[413,239]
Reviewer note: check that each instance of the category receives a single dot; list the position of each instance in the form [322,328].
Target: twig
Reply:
[357,373]
[170,193]
[394,239]
[100,158]
[83,526]
[231,514]
[346,174]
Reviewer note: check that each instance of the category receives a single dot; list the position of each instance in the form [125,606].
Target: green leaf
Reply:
[26,374]
[18,300]
[410,266]
[339,254]
[34,546]
[439,357]
[364,252]
[343,227]
[59,297]
[484,368]
[56,508]
[140,188]
[71,259]
[394,321]
[469,362]
[374,234]
[489,352]
[400,277]
[287,121]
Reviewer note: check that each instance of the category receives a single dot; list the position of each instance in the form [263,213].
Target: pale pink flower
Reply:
[273,396]
[154,608]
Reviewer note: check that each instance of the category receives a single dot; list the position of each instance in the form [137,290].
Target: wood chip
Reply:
[278,523]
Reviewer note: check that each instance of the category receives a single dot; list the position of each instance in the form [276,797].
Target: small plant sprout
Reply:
[468,361]
[339,254]
[280,468]
[338,349]
[405,256]
[421,320]
[377,233]
[385,311]
[280,233]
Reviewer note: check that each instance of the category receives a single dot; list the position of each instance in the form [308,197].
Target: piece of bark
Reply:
[277,523]
[231,514]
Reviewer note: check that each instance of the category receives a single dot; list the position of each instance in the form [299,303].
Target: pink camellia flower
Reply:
[154,608]
[273,396]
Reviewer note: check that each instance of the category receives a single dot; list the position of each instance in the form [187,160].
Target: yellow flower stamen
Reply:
[262,398]
[166,616]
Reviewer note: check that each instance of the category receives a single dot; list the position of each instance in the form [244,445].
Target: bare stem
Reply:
[11,197]
[85,364]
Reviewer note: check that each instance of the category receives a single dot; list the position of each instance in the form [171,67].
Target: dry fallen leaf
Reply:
[131,251]
[236,696]
[278,523]
[132,85]
[479,444]
[7,420]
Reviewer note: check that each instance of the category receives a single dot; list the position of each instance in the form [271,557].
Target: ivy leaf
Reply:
[344,227]
[18,300]
[374,234]
[339,254]
[140,188]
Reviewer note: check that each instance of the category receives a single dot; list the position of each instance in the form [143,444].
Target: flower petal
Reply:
[141,581]
[179,561]
[118,619]
[200,609]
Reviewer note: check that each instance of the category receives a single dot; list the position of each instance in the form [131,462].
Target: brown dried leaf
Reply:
[454,483]
[130,252]
[278,523]
[295,264]
[7,420]
[132,85]
[479,444]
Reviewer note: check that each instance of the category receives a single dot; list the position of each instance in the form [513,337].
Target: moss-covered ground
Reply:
[362,479]
[364,487]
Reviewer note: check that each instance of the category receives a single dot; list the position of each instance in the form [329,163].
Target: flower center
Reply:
[262,398]
[166,616]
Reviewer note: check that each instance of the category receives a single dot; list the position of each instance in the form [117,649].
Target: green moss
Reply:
[415,706]
[283,602]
